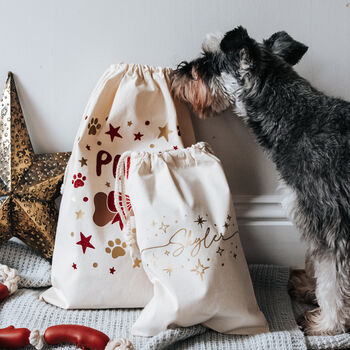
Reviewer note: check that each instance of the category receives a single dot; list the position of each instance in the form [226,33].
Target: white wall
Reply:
[58,50]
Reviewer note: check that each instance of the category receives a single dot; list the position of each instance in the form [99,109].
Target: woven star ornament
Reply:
[29,182]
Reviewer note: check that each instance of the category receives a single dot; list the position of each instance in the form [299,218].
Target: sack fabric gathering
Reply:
[147,221]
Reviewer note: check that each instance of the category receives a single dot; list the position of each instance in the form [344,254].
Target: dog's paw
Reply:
[314,322]
[301,287]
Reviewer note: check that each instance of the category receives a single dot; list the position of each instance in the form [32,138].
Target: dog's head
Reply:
[230,63]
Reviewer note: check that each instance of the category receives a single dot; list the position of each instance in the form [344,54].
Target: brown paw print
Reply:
[93,126]
[78,180]
[116,248]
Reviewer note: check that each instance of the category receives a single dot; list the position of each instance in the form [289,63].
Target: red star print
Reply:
[85,242]
[74,266]
[112,270]
[113,132]
[175,147]
[138,136]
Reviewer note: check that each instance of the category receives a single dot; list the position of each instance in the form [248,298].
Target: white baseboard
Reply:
[267,235]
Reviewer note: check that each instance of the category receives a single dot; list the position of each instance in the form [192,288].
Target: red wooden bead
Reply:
[4,292]
[81,336]
[14,338]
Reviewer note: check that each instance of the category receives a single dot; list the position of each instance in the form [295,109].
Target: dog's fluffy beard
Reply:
[201,83]
[304,132]
[207,98]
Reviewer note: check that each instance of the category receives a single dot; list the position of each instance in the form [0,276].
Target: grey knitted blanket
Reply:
[23,309]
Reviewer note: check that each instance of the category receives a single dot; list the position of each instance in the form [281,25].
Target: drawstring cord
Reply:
[122,173]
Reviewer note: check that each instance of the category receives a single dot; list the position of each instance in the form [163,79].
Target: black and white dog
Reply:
[306,134]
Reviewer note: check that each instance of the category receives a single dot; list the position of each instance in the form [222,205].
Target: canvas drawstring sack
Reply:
[131,108]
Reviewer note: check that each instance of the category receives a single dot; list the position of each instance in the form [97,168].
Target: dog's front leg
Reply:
[302,283]
[333,298]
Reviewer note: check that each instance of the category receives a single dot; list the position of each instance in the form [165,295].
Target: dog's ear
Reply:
[238,44]
[234,39]
[283,45]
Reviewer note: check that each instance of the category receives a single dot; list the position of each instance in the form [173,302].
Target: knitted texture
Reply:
[24,309]
[339,341]
[34,270]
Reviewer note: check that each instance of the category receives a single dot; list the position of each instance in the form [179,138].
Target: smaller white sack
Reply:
[187,239]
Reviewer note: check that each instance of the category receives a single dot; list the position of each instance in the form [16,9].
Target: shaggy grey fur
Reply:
[306,134]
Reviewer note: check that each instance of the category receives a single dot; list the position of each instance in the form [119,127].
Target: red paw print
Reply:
[78,180]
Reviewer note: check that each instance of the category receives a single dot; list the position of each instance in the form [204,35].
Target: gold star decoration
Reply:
[200,269]
[108,184]
[164,132]
[220,251]
[154,260]
[79,214]
[29,182]
[129,123]
[83,161]
[167,252]
[137,263]
[169,270]
[163,227]
[200,221]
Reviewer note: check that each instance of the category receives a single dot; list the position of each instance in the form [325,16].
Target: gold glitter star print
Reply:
[191,248]
[29,182]
[200,269]
[163,227]
[200,221]
[164,132]
[169,270]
